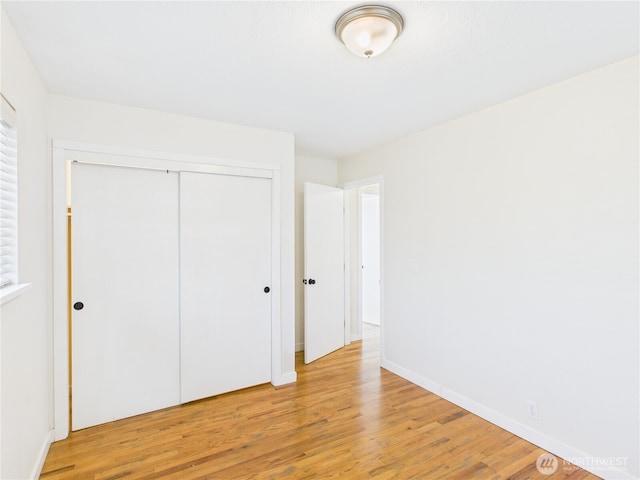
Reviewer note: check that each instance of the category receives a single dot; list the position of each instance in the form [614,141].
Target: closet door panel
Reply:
[125,348]
[225,268]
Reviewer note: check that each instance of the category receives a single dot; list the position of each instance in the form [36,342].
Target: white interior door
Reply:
[225,274]
[370,234]
[125,357]
[323,270]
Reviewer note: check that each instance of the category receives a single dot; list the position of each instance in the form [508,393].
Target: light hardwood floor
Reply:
[345,418]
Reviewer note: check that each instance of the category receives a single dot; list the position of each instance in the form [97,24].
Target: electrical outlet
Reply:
[532,409]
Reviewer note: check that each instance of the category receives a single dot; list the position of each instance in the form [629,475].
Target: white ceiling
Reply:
[278,64]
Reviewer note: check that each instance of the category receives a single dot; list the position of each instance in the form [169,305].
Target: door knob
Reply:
[267,289]
[312,281]
[78,306]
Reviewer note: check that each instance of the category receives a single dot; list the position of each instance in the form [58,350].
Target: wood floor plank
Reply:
[345,418]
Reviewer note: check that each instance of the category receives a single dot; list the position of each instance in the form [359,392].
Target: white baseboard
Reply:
[356,336]
[427,384]
[299,347]
[550,444]
[42,456]
[285,378]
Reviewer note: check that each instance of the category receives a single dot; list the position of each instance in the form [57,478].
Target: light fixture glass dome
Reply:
[369,30]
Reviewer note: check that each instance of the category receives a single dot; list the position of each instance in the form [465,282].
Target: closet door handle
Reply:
[267,289]
[312,281]
[78,306]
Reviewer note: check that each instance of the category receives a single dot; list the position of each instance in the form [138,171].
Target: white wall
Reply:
[524,221]
[26,321]
[314,170]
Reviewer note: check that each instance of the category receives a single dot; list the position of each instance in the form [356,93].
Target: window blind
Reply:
[8,195]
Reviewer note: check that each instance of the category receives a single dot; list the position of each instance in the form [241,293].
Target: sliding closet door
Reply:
[225,272]
[125,321]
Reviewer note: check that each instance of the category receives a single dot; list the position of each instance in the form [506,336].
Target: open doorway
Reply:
[369,241]
[363,210]
[342,266]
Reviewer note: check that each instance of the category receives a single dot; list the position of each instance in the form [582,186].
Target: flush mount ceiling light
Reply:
[369,30]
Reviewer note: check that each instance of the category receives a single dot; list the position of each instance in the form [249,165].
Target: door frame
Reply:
[347,186]
[65,152]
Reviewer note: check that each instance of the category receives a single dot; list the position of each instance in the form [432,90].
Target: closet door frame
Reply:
[65,152]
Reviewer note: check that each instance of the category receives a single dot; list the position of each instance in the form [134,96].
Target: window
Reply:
[8,196]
